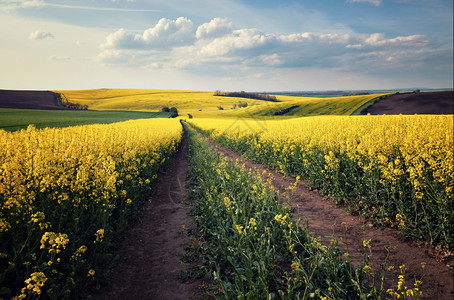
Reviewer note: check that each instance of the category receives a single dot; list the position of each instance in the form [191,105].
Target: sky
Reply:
[227,45]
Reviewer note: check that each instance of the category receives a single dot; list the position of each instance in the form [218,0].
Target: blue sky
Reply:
[226,45]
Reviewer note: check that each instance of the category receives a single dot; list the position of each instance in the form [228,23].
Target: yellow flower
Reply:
[35,283]
[281,219]
[367,268]
[99,234]
[417,283]
[295,265]
[79,252]
[239,228]
[54,241]
[91,273]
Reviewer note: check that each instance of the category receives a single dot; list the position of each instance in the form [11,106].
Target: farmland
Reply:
[15,119]
[206,104]
[254,178]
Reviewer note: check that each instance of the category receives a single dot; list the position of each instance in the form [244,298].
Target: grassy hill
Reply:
[205,104]
[152,100]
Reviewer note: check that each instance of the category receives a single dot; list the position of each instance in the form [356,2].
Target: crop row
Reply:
[252,247]
[396,169]
[67,194]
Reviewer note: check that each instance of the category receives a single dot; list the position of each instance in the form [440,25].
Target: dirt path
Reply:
[324,218]
[149,255]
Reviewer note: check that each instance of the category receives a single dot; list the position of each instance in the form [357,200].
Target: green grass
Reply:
[16,119]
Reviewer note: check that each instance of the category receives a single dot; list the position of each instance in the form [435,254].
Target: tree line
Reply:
[63,101]
[243,94]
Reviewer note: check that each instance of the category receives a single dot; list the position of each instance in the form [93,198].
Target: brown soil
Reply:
[415,103]
[324,218]
[149,256]
[29,100]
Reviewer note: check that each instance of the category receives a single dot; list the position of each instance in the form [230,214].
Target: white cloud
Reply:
[170,32]
[374,2]
[11,5]
[240,39]
[380,40]
[215,28]
[40,35]
[122,40]
[166,33]
[177,44]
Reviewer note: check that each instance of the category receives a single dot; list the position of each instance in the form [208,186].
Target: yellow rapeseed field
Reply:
[65,193]
[396,168]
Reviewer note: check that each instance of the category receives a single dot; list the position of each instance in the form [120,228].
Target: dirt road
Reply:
[149,263]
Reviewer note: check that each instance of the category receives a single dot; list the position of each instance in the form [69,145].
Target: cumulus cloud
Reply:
[215,28]
[374,2]
[40,35]
[241,39]
[177,44]
[166,33]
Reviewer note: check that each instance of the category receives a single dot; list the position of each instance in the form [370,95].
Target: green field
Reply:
[16,119]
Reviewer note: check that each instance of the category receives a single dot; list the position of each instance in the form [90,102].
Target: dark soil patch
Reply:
[415,103]
[149,256]
[325,219]
[29,100]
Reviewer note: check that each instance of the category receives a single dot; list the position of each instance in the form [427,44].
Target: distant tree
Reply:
[220,107]
[165,109]
[242,104]
[174,112]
